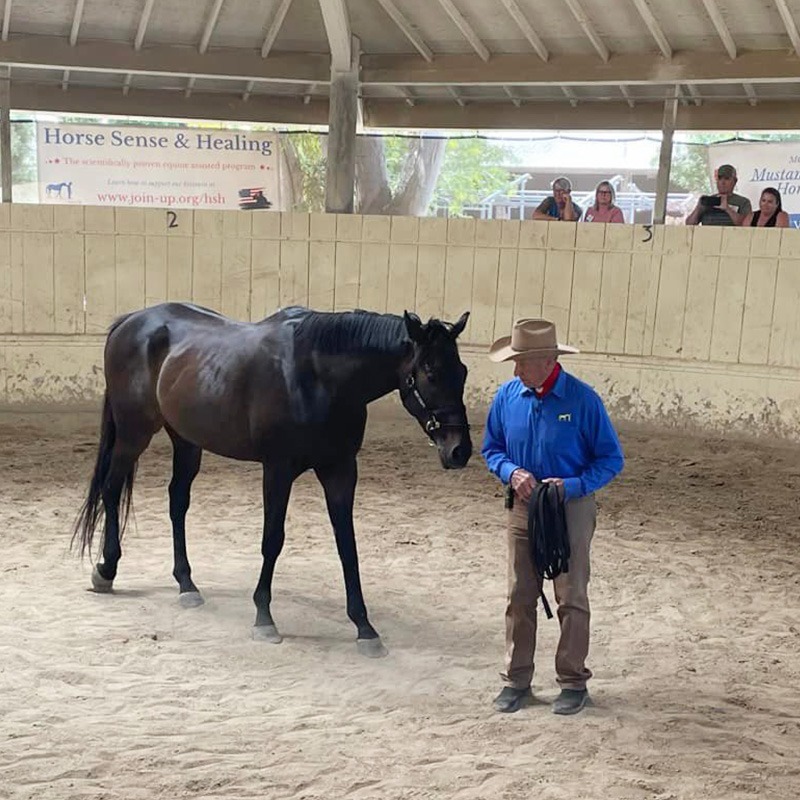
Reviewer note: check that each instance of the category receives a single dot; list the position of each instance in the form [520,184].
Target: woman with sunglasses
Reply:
[603,209]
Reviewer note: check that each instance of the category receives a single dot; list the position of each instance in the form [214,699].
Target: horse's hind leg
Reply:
[185,466]
[124,455]
[277,489]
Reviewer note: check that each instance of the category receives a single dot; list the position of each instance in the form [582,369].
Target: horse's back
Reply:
[238,389]
[205,375]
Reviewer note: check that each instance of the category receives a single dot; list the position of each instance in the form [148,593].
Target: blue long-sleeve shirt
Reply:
[566,434]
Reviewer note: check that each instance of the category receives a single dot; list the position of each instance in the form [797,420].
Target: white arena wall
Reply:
[687,327]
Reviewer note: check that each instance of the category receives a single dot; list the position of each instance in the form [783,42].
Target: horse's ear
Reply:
[413,326]
[460,325]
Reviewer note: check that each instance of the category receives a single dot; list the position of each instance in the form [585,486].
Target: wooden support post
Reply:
[5,133]
[665,157]
[342,119]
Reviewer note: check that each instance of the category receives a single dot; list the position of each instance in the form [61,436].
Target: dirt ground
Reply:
[696,634]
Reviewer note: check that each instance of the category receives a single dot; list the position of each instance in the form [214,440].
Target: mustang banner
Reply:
[762,164]
[103,165]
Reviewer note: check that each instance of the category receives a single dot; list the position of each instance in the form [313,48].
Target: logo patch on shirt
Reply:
[565,417]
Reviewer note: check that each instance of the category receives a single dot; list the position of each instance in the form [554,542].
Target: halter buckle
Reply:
[432,424]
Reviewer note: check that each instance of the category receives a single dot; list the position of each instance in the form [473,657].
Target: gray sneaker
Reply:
[570,701]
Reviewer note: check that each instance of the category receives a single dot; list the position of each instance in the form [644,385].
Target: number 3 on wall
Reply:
[172,219]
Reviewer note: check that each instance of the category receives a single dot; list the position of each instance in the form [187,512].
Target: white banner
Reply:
[762,164]
[102,165]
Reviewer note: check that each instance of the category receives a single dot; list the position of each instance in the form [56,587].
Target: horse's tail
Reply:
[92,509]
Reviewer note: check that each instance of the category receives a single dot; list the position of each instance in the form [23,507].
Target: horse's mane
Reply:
[353,332]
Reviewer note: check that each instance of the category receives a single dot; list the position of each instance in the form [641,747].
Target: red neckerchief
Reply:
[549,382]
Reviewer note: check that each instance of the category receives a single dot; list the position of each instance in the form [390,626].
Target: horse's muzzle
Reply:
[455,451]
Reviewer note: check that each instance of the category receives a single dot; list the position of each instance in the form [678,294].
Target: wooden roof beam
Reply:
[513,97]
[712,115]
[722,29]
[570,95]
[407,96]
[141,30]
[76,22]
[337,26]
[631,69]
[274,27]
[583,20]
[527,29]
[157,103]
[6,20]
[789,24]
[657,33]
[456,96]
[408,30]
[625,92]
[307,97]
[695,93]
[55,53]
[469,34]
[144,20]
[588,115]
[211,23]
[208,31]
[73,38]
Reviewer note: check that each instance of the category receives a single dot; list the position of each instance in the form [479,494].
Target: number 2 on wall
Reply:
[172,219]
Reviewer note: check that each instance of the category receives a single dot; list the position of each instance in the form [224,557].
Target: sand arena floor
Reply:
[696,634]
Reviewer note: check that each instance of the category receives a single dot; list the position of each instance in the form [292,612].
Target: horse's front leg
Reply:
[277,489]
[339,482]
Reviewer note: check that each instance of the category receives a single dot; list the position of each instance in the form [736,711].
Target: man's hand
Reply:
[735,216]
[523,483]
[694,217]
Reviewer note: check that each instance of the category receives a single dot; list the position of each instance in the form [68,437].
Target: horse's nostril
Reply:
[458,455]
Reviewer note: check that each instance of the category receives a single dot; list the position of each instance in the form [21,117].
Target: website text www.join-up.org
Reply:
[160,199]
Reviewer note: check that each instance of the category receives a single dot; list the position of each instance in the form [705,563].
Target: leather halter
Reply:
[432,421]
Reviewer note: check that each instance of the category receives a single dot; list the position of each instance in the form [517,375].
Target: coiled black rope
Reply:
[547,535]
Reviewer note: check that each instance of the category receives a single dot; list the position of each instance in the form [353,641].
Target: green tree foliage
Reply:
[473,168]
[304,154]
[690,169]
[23,152]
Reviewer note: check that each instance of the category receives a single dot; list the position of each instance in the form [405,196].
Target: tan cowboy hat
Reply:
[529,337]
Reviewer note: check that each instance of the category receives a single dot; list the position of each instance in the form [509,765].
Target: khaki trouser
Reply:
[571,592]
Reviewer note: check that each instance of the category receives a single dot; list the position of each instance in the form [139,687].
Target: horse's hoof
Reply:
[100,584]
[190,599]
[371,648]
[267,633]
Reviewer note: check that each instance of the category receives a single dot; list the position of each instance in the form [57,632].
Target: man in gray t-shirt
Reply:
[728,208]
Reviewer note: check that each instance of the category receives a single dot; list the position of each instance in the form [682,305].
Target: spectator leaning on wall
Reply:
[724,207]
[603,209]
[559,205]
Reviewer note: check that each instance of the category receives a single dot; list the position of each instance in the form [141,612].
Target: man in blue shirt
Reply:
[545,425]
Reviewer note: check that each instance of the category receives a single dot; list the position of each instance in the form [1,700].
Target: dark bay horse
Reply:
[290,392]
